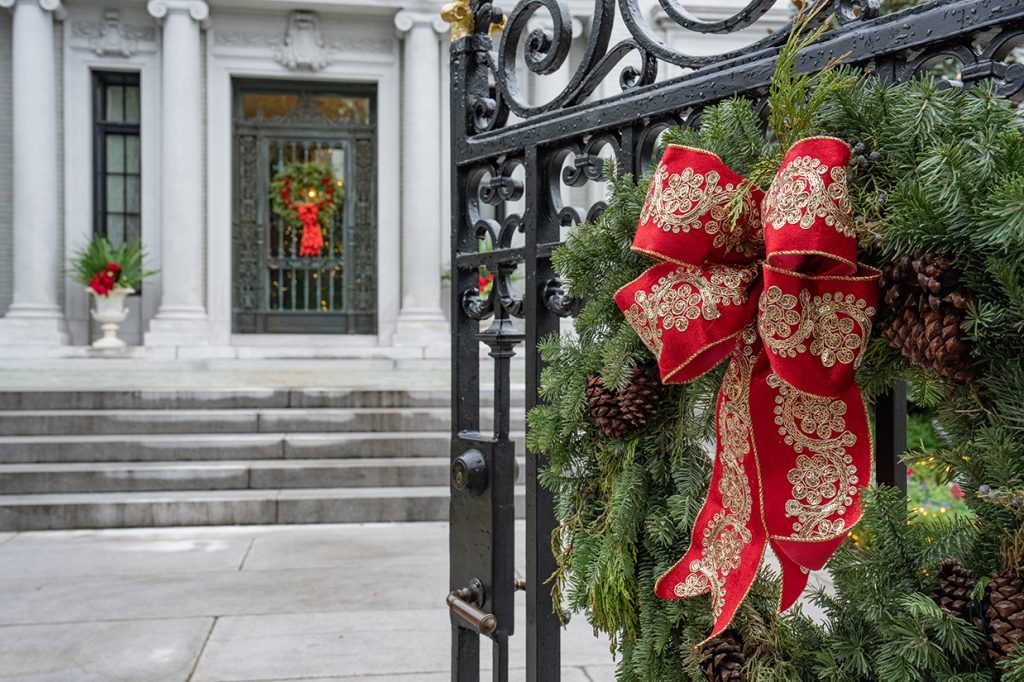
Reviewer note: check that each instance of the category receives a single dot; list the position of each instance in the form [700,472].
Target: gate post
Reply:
[543,629]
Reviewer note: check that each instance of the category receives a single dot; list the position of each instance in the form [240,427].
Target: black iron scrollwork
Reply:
[538,34]
[544,30]
[558,301]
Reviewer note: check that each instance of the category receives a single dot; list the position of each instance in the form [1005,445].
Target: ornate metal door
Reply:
[275,289]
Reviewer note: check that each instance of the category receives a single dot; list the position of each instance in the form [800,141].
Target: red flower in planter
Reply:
[102,283]
[485,283]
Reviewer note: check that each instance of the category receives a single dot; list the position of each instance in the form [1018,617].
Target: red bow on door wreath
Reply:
[781,294]
[312,239]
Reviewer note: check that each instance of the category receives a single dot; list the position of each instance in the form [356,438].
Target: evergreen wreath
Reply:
[307,193]
[937,187]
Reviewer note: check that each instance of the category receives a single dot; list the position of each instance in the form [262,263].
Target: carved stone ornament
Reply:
[113,39]
[304,47]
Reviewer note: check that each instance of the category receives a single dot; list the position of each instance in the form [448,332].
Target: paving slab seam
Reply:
[202,650]
[7,583]
[14,534]
[248,549]
[133,619]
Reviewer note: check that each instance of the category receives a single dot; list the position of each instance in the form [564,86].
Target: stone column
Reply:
[35,316]
[181,317]
[420,319]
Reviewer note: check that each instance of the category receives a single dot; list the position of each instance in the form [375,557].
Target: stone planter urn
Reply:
[110,313]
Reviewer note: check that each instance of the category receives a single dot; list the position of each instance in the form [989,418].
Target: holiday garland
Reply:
[310,194]
[936,191]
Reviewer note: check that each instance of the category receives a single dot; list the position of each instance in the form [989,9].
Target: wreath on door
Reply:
[310,194]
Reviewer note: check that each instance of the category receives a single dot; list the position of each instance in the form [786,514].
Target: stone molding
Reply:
[406,21]
[197,9]
[332,43]
[112,37]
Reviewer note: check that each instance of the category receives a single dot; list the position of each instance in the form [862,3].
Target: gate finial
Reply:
[460,15]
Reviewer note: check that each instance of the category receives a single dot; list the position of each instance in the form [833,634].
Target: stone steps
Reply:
[226,507]
[22,479]
[224,446]
[224,398]
[236,420]
[165,457]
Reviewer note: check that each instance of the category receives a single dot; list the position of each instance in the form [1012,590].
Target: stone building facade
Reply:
[166,120]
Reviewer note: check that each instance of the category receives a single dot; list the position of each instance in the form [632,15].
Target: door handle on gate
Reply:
[466,603]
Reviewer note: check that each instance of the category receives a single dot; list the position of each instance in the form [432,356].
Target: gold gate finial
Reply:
[459,14]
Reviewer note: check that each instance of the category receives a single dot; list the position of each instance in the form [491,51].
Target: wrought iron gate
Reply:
[553,145]
[276,289]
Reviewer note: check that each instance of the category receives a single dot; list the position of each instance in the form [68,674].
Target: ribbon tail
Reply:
[815,455]
[728,537]
[794,577]
[312,239]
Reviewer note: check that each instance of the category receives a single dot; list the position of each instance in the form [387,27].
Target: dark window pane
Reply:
[115,153]
[115,193]
[132,194]
[115,229]
[115,103]
[131,103]
[132,228]
[132,158]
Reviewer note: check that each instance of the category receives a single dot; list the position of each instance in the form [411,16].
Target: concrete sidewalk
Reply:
[242,604]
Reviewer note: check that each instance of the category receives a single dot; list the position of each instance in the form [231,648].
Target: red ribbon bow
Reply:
[312,239]
[794,444]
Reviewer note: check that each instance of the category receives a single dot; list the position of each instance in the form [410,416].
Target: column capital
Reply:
[197,9]
[54,6]
[406,21]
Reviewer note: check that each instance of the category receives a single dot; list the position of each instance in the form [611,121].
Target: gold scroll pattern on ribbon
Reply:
[799,196]
[683,295]
[823,477]
[727,533]
[834,338]
[677,202]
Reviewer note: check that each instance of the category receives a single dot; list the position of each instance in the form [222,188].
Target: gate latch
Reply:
[466,602]
[469,472]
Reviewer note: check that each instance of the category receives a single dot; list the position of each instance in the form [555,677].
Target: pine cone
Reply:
[1005,613]
[604,405]
[953,595]
[619,413]
[724,658]
[639,400]
[928,305]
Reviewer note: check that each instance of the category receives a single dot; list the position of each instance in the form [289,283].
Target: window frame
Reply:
[101,128]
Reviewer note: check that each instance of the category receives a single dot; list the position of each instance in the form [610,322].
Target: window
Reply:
[117,176]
